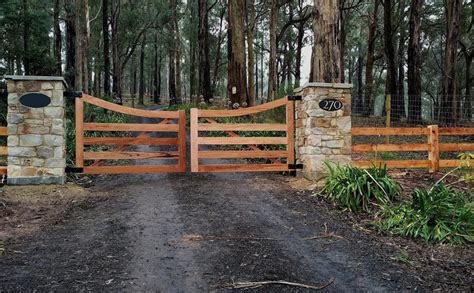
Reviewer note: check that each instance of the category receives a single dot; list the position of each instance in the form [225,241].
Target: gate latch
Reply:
[72,94]
[294,98]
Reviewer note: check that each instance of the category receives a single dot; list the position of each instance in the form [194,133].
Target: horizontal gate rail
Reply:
[127,141]
[121,144]
[252,144]
[433,147]
[111,127]
[3,150]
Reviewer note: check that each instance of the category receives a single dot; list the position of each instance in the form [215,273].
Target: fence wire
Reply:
[413,111]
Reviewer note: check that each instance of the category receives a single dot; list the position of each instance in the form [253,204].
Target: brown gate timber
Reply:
[172,121]
[232,138]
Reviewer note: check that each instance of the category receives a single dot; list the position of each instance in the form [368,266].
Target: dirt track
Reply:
[185,233]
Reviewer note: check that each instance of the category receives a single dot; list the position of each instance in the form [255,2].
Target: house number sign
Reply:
[331,105]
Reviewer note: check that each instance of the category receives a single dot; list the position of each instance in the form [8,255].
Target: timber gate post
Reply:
[323,127]
[36,130]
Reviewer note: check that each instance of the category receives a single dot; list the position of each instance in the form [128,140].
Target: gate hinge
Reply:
[74,170]
[72,94]
[295,166]
[294,98]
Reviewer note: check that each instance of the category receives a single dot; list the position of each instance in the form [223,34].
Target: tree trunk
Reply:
[78,77]
[400,97]
[369,68]
[97,73]
[177,47]
[26,37]
[272,62]
[156,72]
[141,90]
[237,76]
[414,63]
[57,38]
[449,109]
[299,50]
[326,59]
[158,82]
[218,50]
[69,7]
[343,38]
[85,47]
[193,49]
[117,65]
[204,64]
[250,51]
[391,84]
[105,37]
[133,91]
[171,79]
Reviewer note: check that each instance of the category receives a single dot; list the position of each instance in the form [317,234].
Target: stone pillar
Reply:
[322,135]
[36,136]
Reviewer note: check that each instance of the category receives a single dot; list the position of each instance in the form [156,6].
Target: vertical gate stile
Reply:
[290,133]
[79,113]
[182,141]
[194,140]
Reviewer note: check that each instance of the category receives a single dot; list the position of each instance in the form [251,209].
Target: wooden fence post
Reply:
[433,141]
[194,140]
[182,141]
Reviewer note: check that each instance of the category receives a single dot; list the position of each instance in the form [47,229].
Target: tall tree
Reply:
[449,101]
[400,97]
[369,67]
[325,60]
[414,63]
[157,71]
[250,17]
[141,91]
[390,57]
[272,62]
[69,7]
[57,37]
[237,76]
[204,64]
[106,47]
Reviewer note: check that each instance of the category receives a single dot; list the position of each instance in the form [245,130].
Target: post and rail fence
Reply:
[433,147]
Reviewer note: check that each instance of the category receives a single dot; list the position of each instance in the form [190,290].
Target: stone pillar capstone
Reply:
[322,135]
[36,136]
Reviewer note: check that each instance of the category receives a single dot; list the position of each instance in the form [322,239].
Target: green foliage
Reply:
[355,188]
[439,215]
[30,24]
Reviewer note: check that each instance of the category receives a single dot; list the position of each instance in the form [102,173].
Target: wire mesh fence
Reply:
[414,111]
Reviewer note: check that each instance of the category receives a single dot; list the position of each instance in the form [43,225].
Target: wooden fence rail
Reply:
[3,150]
[433,147]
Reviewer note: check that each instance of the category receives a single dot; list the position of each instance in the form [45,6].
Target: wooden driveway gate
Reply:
[278,137]
[281,159]
[172,122]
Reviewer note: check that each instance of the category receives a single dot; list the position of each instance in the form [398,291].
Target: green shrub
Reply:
[441,214]
[355,188]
